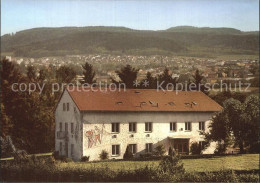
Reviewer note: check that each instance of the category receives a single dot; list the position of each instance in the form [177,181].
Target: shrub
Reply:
[128,154]
[56,154]
[221,149]
[170,152]
[171,164]
[195,148]
[103,155]
[84,159]
[67,160]
[160,150]
[146,156]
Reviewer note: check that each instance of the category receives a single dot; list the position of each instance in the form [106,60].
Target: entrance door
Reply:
[181,146]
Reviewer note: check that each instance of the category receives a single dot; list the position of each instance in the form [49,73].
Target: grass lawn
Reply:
[42,154]
[236,162]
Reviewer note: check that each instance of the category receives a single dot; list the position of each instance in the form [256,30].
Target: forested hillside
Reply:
[41,42]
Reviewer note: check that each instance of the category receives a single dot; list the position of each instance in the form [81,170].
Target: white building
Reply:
[88,122]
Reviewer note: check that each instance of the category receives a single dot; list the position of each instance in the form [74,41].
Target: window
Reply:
[115,127]
[132,148]
[115,150]
[68,106]
[72,149]
[148,126]
[64,107]
[60,148]
[66,127]
[132,127]
[202,144]
[202,125]
[173,126]
[60,126]
[148,147]
[188,126]
[72,128]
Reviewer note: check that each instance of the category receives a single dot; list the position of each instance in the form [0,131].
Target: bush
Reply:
[61,158]
[221,149]
[171,164]
[56,154]
[170,151]
[103,155]
[84,159]
[160,150]
[128,154]
[195,148]
[146,156]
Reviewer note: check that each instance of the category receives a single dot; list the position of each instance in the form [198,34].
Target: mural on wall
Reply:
[94,136]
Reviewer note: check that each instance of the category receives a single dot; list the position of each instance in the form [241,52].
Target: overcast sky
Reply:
[18,15]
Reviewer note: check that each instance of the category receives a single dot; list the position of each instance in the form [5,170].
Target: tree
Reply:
[221,97]
[23,112]
[160,150]
[251,110]
[128,75]
[65,74]
[42,75]
[236,117]
[197,80]
[128,154]
[88,73]
[6,124]
[10,74]
[166,79]
[195,148]
[150,80]
[238,121]
[31,73]
[219,130]
[171,164]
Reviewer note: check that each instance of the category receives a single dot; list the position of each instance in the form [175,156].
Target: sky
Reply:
[19,15]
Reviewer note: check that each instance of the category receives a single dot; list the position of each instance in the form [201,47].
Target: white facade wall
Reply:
[159,135]
[71,116]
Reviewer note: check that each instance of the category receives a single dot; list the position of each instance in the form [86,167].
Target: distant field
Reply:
[236,162]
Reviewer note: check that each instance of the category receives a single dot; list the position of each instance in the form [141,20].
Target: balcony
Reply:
[62,135]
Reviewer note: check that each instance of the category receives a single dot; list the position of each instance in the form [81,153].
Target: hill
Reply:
[180,40]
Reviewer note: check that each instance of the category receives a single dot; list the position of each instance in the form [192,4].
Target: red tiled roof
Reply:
[142,100]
